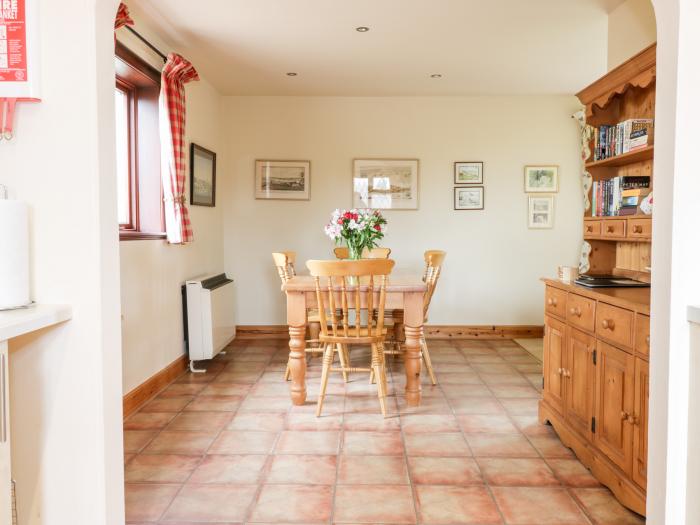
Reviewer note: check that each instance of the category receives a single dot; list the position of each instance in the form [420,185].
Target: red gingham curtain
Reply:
[176,73]
[123,18]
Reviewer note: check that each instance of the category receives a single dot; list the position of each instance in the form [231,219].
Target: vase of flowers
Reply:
[357,228]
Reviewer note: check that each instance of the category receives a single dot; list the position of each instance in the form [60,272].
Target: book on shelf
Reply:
[618,195]
[612,140]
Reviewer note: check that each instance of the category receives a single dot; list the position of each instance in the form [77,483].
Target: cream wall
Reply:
[152,271]
[631,28]
[65,381]
[494,261]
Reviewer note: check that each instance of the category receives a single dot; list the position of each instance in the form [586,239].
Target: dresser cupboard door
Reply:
[614,405]
[641,422]
[554,353]
[580,380]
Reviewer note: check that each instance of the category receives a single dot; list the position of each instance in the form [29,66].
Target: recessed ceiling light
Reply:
[362,29]
[291,74]
[436,75]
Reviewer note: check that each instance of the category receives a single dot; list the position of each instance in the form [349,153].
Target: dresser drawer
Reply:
[639,228]
[555,301]
[580,312]
[641,334]
[614,324]
[591,229]
[613,228]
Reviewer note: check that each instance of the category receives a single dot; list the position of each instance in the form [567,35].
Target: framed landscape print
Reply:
[385,184]
[540,212]
[283,179]
[469,198]
[541,179]
[469,172]
[202,176]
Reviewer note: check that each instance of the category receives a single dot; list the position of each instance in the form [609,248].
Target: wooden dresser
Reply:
[596,346]
[596,381]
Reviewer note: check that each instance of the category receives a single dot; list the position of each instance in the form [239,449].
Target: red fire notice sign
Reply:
[13,41]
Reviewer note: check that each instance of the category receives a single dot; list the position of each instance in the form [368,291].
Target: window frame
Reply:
[141,82]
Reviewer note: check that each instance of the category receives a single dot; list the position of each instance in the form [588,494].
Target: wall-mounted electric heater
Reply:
[207,311]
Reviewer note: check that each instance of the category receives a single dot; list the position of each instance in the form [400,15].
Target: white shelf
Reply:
[14,323]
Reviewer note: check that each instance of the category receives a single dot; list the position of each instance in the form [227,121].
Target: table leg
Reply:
[296,319]
[398,326]
[413,327]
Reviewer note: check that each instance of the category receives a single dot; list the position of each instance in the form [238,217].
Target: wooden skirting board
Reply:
[431,332]
[147,390]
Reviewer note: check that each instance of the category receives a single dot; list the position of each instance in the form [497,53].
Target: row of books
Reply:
[618,196]
[624,137]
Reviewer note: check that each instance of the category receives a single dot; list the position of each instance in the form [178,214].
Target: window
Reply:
[139,193]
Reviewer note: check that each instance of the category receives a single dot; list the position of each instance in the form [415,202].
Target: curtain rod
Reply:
[151,46]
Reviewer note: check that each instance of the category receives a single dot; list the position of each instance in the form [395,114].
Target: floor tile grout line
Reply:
[537,450]
[394,372]
[478,466]
[204,454]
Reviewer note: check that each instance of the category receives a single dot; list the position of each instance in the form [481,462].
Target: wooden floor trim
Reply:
[147,390]
[431,331]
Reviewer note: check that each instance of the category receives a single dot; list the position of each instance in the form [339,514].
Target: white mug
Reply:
[568,273]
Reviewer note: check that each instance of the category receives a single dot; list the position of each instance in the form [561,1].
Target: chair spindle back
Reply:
[284,262]
[433,267]
[346,287]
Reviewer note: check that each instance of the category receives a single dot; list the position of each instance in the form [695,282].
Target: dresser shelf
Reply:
[631,157]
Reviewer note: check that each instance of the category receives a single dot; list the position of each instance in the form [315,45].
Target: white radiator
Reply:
[208,316]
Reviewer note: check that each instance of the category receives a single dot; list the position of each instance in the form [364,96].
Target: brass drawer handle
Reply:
[552,301]
[608,324]
[575,311]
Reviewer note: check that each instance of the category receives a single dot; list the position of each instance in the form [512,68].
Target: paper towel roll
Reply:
[14,254]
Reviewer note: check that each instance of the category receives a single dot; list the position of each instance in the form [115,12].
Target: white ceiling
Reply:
[245,47]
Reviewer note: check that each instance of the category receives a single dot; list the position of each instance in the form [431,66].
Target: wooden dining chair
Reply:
[433,266]
[284,262]
[431,274]
[348,288]
[342,252]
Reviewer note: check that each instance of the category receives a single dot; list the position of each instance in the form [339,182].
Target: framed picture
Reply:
[385,184]
[469,198]
[469,172]
[540,211]
[202,176]
[541,179]
[283,179]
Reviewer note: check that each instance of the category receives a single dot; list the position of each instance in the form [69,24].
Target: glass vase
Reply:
[354,252]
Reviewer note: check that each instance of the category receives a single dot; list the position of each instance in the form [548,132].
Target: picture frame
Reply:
[283,179]
[385,184]
[542,179]
[540,212]
[469,198]
[202,176]
[469,172]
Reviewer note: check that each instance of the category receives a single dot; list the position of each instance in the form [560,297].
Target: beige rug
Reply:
[533,346]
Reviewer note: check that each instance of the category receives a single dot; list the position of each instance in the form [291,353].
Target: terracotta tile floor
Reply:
[228,448]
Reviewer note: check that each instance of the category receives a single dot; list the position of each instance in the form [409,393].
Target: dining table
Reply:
[404,296]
